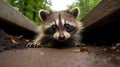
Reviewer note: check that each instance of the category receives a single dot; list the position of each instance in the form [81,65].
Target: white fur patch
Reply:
[63,22]
[57,34]
[57,22]
[48,25]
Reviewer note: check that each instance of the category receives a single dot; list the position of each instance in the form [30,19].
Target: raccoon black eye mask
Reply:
[51,30]
[58,27]
[70,29]
[54,28]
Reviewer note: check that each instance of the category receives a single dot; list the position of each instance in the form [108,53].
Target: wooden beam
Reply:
[15,22]
[102,24]
[102,10]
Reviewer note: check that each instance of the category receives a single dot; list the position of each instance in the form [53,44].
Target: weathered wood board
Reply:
[102,24]
[13,21]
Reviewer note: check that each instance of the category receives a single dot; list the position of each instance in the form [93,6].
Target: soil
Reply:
[13,53]
[8,42]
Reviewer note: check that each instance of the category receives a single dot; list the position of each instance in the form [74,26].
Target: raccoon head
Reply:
[60,25]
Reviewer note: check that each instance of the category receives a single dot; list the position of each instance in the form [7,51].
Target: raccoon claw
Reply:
[33,45]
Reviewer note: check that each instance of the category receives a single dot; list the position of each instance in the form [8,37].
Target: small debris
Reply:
[118,45]
[27,40]
[19,37]
[8,42]
[42,53]
[81,49]
[77,50]
[105,49]
[118,50]
[14,42]
[18,41]
[113,47]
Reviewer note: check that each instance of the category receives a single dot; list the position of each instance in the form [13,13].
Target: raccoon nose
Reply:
[62,37]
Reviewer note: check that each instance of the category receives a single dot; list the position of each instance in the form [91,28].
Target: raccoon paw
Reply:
[34,45]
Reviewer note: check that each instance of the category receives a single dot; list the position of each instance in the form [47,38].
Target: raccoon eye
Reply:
[51,30]
[54,27]
[67,26]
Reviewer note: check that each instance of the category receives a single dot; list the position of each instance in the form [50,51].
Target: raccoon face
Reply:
[60,25]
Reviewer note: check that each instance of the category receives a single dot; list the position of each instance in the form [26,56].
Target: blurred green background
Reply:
[30,8]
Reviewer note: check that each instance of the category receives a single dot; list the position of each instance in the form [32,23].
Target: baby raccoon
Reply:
[58,28]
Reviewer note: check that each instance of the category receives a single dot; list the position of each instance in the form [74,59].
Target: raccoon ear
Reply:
[43,14]
[75,12]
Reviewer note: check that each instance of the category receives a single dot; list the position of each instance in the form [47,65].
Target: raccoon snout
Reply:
[61,37]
